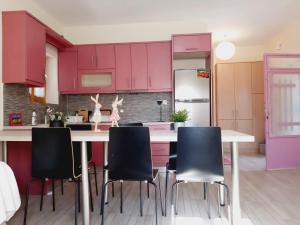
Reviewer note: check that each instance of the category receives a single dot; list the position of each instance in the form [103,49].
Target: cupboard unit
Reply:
[67,71]
[87,57]
[192,43]
[239,106]
[24,49]
[159,66]
[96,81]
[105,55]
[123,67]
[139,66]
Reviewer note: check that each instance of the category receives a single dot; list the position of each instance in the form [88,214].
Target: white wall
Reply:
[288,38]
[31,7]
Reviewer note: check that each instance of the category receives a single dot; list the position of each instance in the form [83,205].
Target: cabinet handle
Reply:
[189,49]
[74,84]
[133,82]
[237,125]
[150,82]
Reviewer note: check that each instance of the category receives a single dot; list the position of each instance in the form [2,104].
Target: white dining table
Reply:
[230,136]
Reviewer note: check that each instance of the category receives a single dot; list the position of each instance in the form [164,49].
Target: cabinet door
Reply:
[123,67]
[258,119]
[139,66]
[192,43]
[87,57]
[67,71]
[257,78]
[36,51]
[243,91]
[246,126]
[225,91]
[105,56]
[159,66]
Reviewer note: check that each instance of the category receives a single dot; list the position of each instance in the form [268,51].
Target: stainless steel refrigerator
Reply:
[192,92]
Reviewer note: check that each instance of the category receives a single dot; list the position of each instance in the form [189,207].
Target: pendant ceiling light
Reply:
[225,50]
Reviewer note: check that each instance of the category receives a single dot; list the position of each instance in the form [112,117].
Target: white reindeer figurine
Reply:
[114,117]
[97,118]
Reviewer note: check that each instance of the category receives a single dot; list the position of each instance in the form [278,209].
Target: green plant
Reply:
[180,116]
[57,116]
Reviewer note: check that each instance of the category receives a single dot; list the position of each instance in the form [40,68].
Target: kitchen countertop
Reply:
[28,127]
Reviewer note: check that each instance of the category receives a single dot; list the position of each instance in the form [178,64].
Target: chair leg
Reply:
[42,194]
[166,191]
[172,194]
[113,189]
[204,191]
[62,186]
[148,194]
[102,201]
[53,195]
[78,196]
[219,205]
[155,188]
[159,188]
[26,202]
[121,197]
[141,200]
[76,200]
[176,200]
[91,194]
[95,175]
[208,201]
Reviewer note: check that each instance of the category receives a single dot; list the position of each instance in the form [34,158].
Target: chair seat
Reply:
[197,176]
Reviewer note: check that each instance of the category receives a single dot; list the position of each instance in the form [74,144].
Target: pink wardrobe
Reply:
[282,101]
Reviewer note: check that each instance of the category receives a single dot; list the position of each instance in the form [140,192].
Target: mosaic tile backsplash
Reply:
[136,106]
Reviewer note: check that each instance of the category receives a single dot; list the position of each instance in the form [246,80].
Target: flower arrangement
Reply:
[57,116]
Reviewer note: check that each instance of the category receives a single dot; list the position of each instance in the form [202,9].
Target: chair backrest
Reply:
[77,145]
[52,154]
[199,154]
[131,124]
[129,155]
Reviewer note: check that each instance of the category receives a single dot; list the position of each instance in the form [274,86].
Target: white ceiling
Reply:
[257,19]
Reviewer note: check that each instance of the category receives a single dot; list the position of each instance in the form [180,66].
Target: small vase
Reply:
[178,124]
[56,123]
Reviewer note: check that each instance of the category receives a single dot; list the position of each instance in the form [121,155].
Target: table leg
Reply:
[235,204]
[85,185]
[106,171]
[4,151]
[221,194]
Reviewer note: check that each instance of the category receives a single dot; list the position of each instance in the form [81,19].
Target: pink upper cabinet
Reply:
[67,71]
[123,67]
[87,58]
[159,66]
[24,49]
[139,66]
[105,56]
[192,43]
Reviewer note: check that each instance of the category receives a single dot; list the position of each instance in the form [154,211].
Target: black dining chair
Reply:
[199,159]
[53,158]
[130,159]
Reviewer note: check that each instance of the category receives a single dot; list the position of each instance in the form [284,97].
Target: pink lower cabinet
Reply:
[160,154]
[160,150]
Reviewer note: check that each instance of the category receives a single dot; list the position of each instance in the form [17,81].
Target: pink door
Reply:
[87,57]
[139,66]
[282,97]
[105,56]
[67,71]
[159,66]
[123,67]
